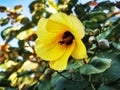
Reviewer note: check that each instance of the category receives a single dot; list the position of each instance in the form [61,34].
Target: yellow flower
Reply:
[58,38]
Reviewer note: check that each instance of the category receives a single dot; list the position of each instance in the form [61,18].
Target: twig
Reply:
[68,78]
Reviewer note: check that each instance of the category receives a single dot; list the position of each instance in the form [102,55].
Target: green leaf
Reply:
[90,24]
[97,16]
[32,6]
[18,8]
[25,21]
[105,34]
[21,43]
[110,32]
[104,87]
[113,19]
[44,85]
[37,16]
[60,83]
[73,65]
[3,9]
[4,21]
[104,5]
[115,32]
[97,65]
[112,74]
[80,10]
[9,33]
[116,45]
[24,34]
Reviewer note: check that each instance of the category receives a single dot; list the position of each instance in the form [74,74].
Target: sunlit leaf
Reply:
[25,21]
[7,64]
[13,15]
[52,6]
[18,8]
[2,88]
[9,33]
[28,65]
[3,9]
[39,3]
[4,21]
[24,34]
[19,18]
[25,82]
[37,16]
[13,78]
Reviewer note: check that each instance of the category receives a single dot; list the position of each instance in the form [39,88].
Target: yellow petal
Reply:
[55,27]
[61,63]
[79,51]
[49,52]
[41,27]
[44,36]
[70,22]
[46,45]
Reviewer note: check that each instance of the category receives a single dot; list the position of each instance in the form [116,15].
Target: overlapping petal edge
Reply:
[50,32]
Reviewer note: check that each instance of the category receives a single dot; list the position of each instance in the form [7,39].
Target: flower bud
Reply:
[92,39]
[103,43]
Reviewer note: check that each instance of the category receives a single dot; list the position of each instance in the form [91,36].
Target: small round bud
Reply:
[103,43]
[92,39]
[94,32]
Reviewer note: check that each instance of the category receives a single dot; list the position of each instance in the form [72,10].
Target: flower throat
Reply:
[67,38]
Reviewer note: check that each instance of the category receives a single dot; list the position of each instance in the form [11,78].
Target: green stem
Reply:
[67,77]
[91,83]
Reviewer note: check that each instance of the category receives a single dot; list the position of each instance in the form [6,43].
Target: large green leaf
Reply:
[97,65]
[44,85]
[60,83]
[110,32]
[112,74]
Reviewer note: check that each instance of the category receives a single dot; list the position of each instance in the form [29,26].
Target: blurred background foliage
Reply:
[22,69]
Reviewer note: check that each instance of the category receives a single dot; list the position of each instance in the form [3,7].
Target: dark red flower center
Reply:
[67,38]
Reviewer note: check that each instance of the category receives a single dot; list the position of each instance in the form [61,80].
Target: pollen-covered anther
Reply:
[67,38]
